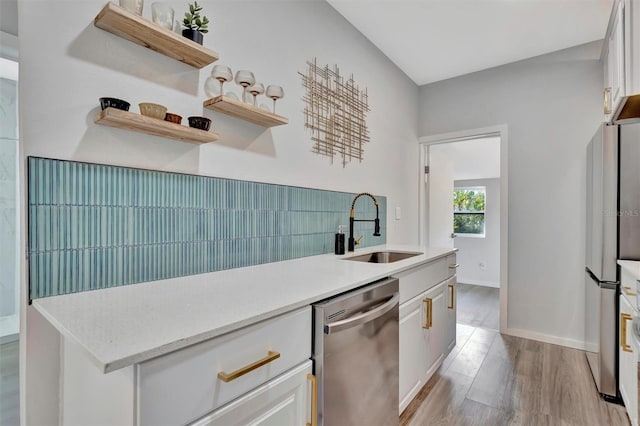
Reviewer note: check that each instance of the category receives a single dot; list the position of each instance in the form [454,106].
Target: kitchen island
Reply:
[114,330]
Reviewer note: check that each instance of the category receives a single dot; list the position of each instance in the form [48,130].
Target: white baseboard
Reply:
[480,283]
[546,338]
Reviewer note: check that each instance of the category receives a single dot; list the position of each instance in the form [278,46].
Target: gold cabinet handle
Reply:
[428,323]
[627,291]
[314,400]
[453,265]
[607,100]
[623,332]
[452,298]
[227,377]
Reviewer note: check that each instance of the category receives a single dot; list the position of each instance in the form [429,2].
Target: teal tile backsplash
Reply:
[95,226]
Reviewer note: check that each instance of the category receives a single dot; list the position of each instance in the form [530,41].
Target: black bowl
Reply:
[114,103]
[202,123]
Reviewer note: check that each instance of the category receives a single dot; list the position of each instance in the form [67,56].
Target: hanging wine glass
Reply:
[222,73]
[245,79]
[211,87]
[275,93]
[255,90]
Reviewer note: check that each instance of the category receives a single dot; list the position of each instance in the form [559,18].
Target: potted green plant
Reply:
[195,25]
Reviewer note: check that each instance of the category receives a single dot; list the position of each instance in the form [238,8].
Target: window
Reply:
[468,211]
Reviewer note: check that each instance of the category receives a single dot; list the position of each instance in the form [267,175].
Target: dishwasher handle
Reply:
[367,316]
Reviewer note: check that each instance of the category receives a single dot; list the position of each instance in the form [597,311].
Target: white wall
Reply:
[65,73]
[552,106]
[475,250]
[67,64]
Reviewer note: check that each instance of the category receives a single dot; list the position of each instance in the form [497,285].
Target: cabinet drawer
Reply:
[284,400]
[629,287]
[417,280]
[182,386]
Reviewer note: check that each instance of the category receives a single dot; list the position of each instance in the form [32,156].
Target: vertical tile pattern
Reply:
[95,226]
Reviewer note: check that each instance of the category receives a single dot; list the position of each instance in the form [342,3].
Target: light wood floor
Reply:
[491,379]
[9,385]
[478,306]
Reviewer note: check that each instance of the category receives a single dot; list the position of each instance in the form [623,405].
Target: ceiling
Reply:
[432,40]
[474,158]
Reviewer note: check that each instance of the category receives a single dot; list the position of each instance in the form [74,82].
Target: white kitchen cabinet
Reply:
[261,368]
[182,386]
[427,324]
[435,326]
[628,359]
[285,400]
[413,350]
[614,61]
[621,60]
[632,46]
[422,337]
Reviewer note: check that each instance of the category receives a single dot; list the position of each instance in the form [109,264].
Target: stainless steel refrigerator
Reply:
[613,232]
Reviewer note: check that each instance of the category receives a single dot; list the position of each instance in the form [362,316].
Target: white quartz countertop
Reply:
[632,266]
[125,325]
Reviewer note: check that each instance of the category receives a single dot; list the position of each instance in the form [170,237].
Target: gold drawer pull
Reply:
[627,291]
[227,377]
[623,332]
[428,323]
[607,100]
[452,298]
[453,265]
[314,400]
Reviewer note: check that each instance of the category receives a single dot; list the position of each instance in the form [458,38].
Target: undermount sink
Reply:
[383,256]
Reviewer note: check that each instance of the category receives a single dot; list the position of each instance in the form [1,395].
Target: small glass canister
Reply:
[134,6]
[162,14]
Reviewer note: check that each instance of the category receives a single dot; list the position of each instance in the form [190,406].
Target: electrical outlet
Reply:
[482,266]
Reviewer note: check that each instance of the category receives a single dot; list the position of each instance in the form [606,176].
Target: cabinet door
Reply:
[423,322]
[434,336]
[628,361]
[413,350]
[615,59]
[285,400]
[632,46]
[450,327]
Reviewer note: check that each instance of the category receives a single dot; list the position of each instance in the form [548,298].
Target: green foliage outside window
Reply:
[468,211]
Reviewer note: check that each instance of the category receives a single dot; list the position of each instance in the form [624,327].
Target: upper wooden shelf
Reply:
[244,111]
[141,31]
[139,123]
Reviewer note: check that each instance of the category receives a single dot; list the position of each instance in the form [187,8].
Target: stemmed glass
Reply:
[255,90]
[245,79]
[275,93]
[222,73]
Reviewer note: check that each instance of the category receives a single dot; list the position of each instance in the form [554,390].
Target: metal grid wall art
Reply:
[335,112]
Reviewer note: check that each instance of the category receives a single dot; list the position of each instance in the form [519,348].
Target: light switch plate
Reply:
[398,213]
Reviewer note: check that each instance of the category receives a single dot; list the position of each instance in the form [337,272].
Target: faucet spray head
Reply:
[376,230]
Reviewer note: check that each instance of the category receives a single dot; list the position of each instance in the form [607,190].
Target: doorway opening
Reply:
[9,229]
[10,225]
[464,205]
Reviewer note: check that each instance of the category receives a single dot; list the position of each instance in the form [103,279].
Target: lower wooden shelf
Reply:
[139,123]
[244,111]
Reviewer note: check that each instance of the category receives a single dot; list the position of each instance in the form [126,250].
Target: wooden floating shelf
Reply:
[244,111]
[121,22]
[139,123]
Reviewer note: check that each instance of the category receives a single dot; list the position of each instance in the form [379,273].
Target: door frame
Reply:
[497,130]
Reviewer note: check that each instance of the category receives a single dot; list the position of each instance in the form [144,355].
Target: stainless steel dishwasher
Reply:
[355,352]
